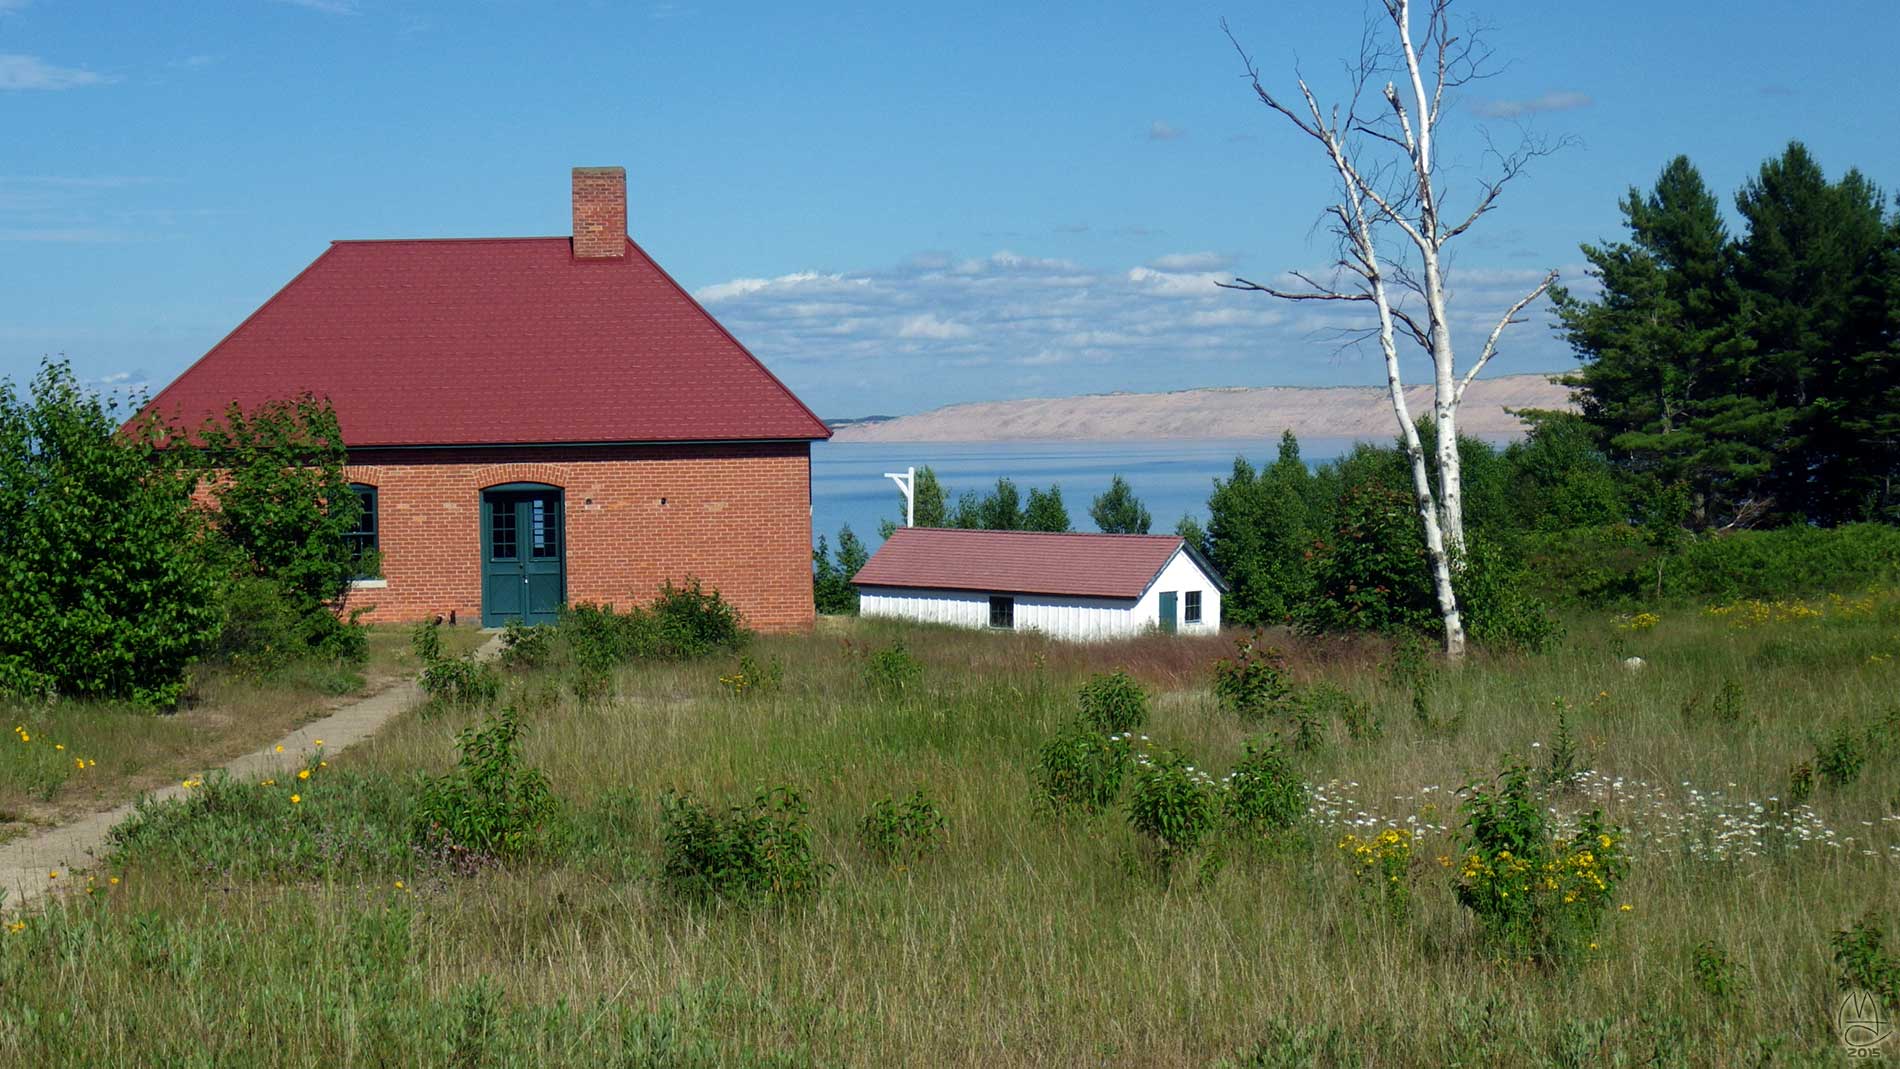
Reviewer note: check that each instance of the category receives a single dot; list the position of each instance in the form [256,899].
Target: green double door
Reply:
[524,574]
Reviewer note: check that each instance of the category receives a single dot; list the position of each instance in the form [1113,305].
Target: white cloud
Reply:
[929,326]
[328,7]
[936,329]
[1564,100]
[1192,261]
[31,72]
[1160,130]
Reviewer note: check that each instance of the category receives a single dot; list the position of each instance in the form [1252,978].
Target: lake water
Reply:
[1172,478]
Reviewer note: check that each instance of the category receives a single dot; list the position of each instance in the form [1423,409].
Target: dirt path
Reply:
[26,864]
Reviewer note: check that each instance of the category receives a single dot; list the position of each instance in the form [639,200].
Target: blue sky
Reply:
[894,209]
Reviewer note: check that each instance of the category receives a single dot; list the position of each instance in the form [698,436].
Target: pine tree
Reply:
[1118,511]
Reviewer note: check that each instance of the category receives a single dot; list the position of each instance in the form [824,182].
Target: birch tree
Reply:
[1394,228]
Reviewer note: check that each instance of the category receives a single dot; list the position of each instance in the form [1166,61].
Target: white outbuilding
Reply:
[1074,586]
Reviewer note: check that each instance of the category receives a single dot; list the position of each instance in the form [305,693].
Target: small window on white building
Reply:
[1003,612]
[1191,610]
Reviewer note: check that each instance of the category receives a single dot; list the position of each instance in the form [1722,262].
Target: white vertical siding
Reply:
[1062,617]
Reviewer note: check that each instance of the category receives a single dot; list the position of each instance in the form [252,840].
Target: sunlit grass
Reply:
[1023,941]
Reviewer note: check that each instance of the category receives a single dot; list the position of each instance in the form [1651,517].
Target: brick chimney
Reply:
[600,213]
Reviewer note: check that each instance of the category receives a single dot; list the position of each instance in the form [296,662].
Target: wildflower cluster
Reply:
[1383,866]
[80,764]
[1642,621]
[1753,612]
[751,677]
[1536,894]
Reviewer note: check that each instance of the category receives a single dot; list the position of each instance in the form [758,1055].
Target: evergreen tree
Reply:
[927,503]
[1192,533]
[832,592]
[1046,512]
[1118,511]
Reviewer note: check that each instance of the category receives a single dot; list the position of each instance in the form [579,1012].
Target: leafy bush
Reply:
[1172,803]
[526,646]
[597,638]
[456,682]
[1112,703]
[748,855]
[1499,610]
[1253,683]
[892,670]
[1372,575]
[1326,702]
[1265,793]
[1861,953]
[284,508]
[493,804]
[903,832]
[109,592]
[1715,973]
[1081,770]
[751,677]
[1535,895]
[1728,707]
[689,622]
[1841,757]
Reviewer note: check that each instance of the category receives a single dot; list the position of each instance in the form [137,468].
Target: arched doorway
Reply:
[524,554]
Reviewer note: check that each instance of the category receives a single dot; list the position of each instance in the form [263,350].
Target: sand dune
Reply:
[1252,412]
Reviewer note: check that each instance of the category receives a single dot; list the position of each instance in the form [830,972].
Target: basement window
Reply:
[364,552]
[1003,613]
[1191,608]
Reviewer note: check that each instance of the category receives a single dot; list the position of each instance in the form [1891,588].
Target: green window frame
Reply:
[1191,607]
[365,548]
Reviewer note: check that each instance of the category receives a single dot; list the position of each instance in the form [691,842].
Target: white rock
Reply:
[1634,664]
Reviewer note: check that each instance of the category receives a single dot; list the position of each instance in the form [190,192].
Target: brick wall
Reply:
[736,515]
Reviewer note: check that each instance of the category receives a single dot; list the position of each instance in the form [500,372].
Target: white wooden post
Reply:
[907,485]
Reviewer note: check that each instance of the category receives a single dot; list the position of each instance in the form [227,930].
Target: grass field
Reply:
[248,929]
[125,749]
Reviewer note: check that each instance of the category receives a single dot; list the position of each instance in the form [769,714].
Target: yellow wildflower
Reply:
[280,747]
[304,774]
[296,799]
[1625,907]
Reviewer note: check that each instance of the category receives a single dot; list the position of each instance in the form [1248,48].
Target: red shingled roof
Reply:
[493,341]
[1021,562]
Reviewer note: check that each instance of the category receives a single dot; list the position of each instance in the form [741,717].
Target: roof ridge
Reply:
[423,241]
[1063,534]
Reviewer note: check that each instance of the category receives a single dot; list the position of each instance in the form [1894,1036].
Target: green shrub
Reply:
[1081,770]
[1729,706]
[752,678]
[1841,757]
[493,804]
[751,854]
[109,590]
[1499,610]
[1252,684]
[284,508]
[597,638]
[1265,794]
[1325,702]
[1715,973]
[903,832]
[1535,895]
[893,670]
[526,646]
[1112,703]
[1783,562]
[1172,803]
[1861,953]
[1371,573]
[456,682]
[689,622]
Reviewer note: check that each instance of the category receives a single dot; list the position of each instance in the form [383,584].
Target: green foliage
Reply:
[1372,574]
[1002,509]
[1263,530]
[1729,707]
[690,622]
[1860,951]
[526,646]
[893,671]
[1045,511]
[752,678]
[1118,511]
[1841,757]
[1252,684]
[1757,369]
[1265,794]
[493,804]
[453,682]
[1500,613]
[1081,770]
[1172,803]
[1535,894]
[1779,563]
[756,854]
[903,832]
[1715,973]
[1112,703]
[109,590]
[832,591]
[1325,702]
[1565,759]
[283,507]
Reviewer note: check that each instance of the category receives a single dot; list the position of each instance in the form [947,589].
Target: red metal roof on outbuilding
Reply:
[1021,562]
[493,341]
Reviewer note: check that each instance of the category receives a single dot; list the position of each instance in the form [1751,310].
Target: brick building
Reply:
[533,422]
